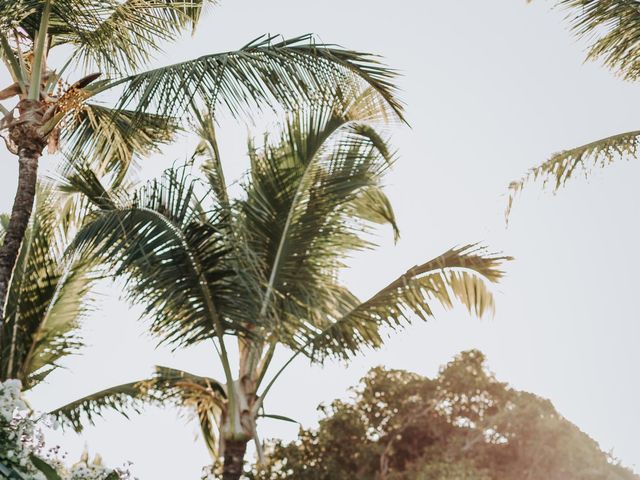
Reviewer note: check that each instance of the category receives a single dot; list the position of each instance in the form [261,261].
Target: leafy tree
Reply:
[612,26]
[263,267]
[99,101]
[463,424]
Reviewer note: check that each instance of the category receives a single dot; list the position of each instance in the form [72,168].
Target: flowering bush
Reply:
[22,447]
[209,473]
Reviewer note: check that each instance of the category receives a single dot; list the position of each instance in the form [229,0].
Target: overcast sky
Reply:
[492,88]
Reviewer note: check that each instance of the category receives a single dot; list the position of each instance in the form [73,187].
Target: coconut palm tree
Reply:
[99,99]
[263,267]
[613,27]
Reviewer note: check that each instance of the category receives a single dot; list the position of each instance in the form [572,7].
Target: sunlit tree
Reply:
[463,424]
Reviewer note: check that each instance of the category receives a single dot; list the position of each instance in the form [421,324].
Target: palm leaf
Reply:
[110,139]
[264,73]
[168,385]
[613,26]
[112,35]
[309,198]
[208,152]
[122,399]
[460,273]
[562,166]
[46,301]
[124,34]
[173,257]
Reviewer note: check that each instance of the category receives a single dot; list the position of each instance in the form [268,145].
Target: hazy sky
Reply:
[492,88]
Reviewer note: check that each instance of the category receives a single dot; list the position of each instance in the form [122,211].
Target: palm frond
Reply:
[122,399]
[172,256]
[46,301]
[309,198]
[110,140]
[111,35]
[461,273]
[123,35]
[207,150]
[562,166]
[167,385]
[613,26]
[265,73]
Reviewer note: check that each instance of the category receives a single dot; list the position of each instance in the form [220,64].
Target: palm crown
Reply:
[263,267]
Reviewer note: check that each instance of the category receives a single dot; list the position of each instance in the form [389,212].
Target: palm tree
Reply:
[263,267]
[106,45]
[613,26]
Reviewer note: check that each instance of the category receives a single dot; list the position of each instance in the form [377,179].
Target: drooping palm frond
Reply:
[47,299]
[562,166]
[613,27]
[110,140]
[130,31]
[265,73]
[461,274]
[166,386]
[110,35]
[121,398]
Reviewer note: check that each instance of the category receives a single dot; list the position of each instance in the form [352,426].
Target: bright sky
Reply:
[491,88]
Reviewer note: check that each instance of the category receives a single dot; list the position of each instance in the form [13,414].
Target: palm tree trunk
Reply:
[20,215]
[234,451]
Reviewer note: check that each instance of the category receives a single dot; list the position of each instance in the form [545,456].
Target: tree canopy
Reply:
[462,424]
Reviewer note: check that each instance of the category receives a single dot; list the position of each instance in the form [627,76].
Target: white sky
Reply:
[491,88]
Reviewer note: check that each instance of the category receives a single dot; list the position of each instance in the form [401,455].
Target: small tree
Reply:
[263,268]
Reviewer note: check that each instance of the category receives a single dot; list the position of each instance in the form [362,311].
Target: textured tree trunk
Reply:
[234,451]
[20,214]
[28,141]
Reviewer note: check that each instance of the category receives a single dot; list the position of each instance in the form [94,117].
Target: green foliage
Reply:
[47,297]
[463,424]
[270,260]
[118,112]
[168,385]
[264,266]
[613,28]
[47,470]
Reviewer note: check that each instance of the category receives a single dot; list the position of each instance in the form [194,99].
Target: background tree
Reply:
[106,45]
[262,269]
[463,424]
[613,27]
